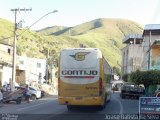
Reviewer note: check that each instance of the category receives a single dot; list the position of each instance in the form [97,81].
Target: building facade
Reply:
[142,51]
[155,55]
[6,55]
[27,69]
[132,53]
[151,47]
[30,70]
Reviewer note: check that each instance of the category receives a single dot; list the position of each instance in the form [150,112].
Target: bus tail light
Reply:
[100,83]
[58,82]
[58,85]
[101,87]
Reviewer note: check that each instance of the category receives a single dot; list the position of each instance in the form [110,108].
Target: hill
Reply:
[106,34]
[103,25]
[6,28]
[51,30]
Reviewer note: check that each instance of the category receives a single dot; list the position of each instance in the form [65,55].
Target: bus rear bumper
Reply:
[89,101]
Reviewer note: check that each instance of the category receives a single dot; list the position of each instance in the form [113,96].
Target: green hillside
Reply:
[103,25]
[51,30]
[106,34]
[6,28]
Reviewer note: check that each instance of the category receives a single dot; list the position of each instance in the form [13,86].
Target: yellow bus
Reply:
[83,78]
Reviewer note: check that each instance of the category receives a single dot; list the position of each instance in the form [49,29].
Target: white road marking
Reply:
[32,106]
[120,103]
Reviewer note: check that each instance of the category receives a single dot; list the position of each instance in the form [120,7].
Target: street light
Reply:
[14,44]
[43,17]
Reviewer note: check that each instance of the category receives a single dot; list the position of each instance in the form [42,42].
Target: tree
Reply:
[117,70]
[125,77]
[147,78]
[136,77]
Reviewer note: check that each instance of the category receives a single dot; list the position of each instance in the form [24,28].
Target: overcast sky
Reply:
[74,12]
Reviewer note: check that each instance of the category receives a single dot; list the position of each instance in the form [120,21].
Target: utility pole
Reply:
[47,66]
[14,46]
[149,50]
[15,39]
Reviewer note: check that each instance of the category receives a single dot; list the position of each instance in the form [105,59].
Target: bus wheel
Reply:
[108,98]
[101,107]
[69,107]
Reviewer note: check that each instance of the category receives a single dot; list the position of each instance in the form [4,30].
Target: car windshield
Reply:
[34,88]
[129,83]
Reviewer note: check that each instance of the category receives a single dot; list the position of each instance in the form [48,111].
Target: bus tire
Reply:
[101,107]
[69,107]
[108,99]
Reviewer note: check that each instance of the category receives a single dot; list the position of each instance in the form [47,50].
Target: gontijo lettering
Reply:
[79,72]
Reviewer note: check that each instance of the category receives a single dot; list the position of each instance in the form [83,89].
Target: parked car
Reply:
[42,93]
[116,85]
[35,92]
[131,90]
[16,96]
[1,98]
[157,92]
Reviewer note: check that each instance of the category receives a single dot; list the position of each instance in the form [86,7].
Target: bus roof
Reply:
[80,49]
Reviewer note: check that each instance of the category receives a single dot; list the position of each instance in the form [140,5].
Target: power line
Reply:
[31,24]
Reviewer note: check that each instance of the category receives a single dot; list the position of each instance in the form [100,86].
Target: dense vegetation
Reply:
[106,34]
[148,78]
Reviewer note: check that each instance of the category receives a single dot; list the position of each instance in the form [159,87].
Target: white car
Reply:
[35,93]
[157,92]
[1,98]
[158,109]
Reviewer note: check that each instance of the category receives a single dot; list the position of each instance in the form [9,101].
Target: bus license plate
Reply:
[78,98]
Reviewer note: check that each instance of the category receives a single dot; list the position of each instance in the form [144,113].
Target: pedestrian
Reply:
[1,99]
[4,88]
[113,87]
[8,88]
[27,94]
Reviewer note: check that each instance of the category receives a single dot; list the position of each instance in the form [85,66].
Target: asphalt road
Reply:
[49,109]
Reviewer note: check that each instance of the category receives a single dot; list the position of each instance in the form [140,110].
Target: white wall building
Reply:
[30,69]
[5,75]
[6,52]
[27,69]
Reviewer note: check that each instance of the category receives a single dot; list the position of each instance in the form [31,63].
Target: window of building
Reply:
[127,57]
[38,65]
[9,51]
[40,76]
[21,62]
